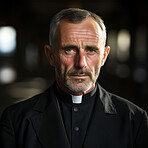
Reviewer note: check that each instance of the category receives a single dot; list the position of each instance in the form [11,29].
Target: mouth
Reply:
[81,76]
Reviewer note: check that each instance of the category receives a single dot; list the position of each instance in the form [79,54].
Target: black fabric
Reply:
[76,117]
[37,123]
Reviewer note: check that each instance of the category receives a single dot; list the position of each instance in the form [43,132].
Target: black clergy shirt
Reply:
[76,117]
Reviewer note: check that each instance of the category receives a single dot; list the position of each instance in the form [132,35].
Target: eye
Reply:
[91,50]
[69,50]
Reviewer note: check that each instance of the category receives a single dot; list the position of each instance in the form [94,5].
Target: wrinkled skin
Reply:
[78,55]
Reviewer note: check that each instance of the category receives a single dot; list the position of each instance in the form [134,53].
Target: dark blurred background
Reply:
[24,26]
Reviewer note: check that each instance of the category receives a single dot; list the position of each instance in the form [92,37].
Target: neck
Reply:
[65,89]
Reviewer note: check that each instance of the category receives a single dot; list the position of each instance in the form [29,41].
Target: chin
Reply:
[79,87]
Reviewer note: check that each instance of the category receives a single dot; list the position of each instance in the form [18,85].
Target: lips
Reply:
[79,73]
[80,76]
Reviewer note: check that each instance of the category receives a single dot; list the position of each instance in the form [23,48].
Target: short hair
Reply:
[73,15]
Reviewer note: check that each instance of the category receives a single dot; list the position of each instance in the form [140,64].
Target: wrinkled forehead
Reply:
[88,30]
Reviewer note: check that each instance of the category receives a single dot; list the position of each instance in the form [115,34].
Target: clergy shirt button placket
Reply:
[76,128]
[75,109]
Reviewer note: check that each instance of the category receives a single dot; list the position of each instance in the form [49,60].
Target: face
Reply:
[78,55]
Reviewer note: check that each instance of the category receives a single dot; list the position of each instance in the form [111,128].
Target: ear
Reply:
[49,54]
[106,52]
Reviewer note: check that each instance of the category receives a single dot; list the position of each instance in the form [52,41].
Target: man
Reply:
[75,112]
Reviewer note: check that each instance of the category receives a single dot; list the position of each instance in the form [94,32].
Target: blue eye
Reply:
[69,50]
[91,50]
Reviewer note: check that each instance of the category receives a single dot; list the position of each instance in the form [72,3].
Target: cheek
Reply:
[66,63]
[94,63]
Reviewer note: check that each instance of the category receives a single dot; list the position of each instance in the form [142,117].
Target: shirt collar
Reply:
[68,98]
[77,99]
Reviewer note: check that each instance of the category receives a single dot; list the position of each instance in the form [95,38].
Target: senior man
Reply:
[75,112]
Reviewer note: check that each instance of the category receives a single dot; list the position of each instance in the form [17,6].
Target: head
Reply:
[77,49]
[73,15]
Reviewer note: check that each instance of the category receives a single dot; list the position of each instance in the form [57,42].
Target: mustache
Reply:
[73,72]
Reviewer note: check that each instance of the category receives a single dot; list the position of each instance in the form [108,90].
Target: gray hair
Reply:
[73,15]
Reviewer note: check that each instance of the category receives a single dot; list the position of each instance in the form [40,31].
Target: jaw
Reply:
[76,86]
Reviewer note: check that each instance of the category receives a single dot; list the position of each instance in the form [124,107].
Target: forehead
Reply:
[88,30]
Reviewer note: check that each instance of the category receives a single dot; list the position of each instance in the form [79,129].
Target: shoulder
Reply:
[26,108]
[124,110]
[120,104]
[20,114]
[21,109]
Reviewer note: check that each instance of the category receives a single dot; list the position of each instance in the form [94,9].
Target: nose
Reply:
[80,60]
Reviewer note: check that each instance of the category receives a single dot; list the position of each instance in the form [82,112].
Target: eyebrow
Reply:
[70,46]
[76,47]
[91,47]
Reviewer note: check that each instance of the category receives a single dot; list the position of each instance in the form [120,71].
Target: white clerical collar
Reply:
[77,99]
